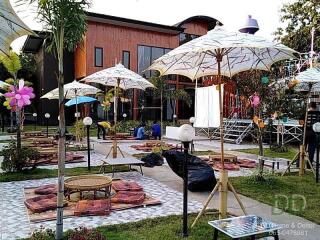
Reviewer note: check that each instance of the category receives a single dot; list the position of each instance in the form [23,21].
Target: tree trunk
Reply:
[161,114]
[61,142]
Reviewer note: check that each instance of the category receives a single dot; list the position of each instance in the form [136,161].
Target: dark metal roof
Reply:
[212,22]
[33,43]
[97,17]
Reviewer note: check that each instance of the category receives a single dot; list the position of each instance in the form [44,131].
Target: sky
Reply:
[232,13]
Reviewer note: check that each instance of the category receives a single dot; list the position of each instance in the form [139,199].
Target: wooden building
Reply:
[136,44]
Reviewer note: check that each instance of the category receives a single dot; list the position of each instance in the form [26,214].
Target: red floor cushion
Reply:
[246,163]
[46,189]
[126,186]
[228,166]
[42,203]
[128,197]
[93,207]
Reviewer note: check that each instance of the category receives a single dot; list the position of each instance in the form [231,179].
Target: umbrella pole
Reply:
[223,188]
[115,110]
[223,184]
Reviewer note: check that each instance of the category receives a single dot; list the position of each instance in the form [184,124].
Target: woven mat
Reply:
[69,210]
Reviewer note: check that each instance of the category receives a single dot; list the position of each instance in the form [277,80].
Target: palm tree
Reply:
[12,63]
[65,22]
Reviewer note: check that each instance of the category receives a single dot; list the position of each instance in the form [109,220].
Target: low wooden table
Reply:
[114,162]
[227,157]
[244,226]
[88,183]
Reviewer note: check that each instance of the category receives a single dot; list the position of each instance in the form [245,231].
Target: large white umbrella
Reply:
[11,26]
[73,90]
[221,53]
[307,81]
[126,78]
[118,77]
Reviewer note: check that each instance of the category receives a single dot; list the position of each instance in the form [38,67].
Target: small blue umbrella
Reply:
[79,100]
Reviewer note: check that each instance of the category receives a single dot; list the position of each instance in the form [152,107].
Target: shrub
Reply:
[80,233]
[83,233]
[43,234]
[11,163]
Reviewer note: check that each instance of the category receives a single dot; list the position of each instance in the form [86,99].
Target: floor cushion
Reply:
[100,207]
[46,189]
[128,197]
[126,186]
[42,203]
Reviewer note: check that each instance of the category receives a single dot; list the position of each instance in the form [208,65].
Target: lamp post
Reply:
[77,115]
[124,116]
[35,115]
[192,120]
[47,116]
[87,121]
[174,119]
[186,135]
[316,129]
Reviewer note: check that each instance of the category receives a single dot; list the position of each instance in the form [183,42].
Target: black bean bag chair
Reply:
[200,174]
[152,160]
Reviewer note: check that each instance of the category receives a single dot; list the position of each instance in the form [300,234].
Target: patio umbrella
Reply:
[79,100]
[308,81]
[73,90]
[11,26]
[118,77]
[220,52]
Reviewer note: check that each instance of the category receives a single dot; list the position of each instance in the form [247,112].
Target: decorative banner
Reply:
[18,96]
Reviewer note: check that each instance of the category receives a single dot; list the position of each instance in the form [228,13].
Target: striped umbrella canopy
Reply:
[11,26]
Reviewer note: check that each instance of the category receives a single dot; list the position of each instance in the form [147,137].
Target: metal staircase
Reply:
[235,130]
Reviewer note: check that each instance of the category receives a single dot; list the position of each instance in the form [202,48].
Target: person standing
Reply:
[310,141]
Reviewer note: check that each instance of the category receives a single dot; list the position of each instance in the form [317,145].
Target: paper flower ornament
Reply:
[255,100]
[106,105]
[18,96]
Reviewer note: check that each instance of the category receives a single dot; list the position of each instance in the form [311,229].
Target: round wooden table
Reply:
[88,183]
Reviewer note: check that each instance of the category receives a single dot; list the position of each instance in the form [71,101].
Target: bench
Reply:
[262,160]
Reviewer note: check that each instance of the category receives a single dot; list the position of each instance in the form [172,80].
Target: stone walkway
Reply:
[14,221]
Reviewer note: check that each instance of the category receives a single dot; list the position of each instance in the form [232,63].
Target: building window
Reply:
[186,37]
[126,59]
[146,55]
[98,57]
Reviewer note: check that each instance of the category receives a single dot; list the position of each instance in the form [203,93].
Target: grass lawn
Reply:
[269,153]
[293,187]
[161,228]
[71,129]
[48,173]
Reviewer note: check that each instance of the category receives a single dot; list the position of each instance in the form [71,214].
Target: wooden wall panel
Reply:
[115,39]
[80,60]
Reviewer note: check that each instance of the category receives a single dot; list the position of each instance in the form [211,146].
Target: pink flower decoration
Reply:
[19,96]
[255,100]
